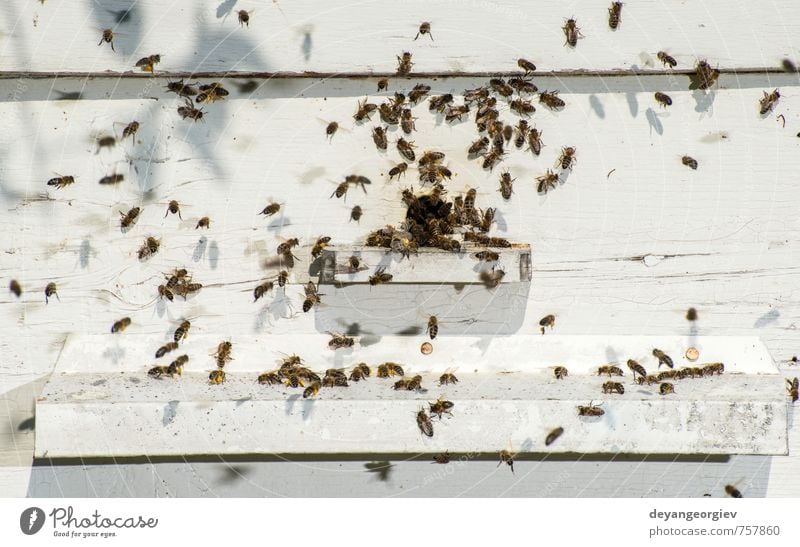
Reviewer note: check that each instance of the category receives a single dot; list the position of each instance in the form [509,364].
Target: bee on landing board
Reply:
[442,458]
[792,388]
[667,59]
[339,341]
[441,406]
[732,491]
[189,111]
[404,64]
[147,64]
[613,387]
[571,32]
[551,100]
[611,370]
[330,129]
[590,410]
[560,372]
[553,435]
[548,181]
[690,162]
[768,101]
[130,130]
[424,423]
[380,277]
[389,369]
[663,99]
[312,296]
[121,325]
[360,372]
[614,15]
[636,368]
[567,159]
[448,378]
[666,388]
[526,65]
[506,457]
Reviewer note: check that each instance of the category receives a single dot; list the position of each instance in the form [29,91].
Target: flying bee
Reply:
[506,457]
[312,390]
[380,277]
[567,159]
[360,372]
[358,180]
[614,15]
[479,146]
[663,99]
[130,130]
[547,321]
[491,279]
[383,84]
[331,128]
[551,100]
[732,491]
[441,406]
[404,64]
[611,370]
[147,64]
[121,325]
[636,368]
[182,331]
[50,290]
[165,349]
[339,341]
[181,89]
[15,288]
[613,387]
[173,207]
[560,373]
[433,327]
[526,65]
[261,290]
[223,354]
[244,18]
[572,32]
[553,435]
[107,37]
[666,388]
[321,243]
[270,209]
[691,314]
[164,292]
[398,170]
[521,107]
[389,369]
[217,376]
[283,278]
[341,190]
[406,149]
[106,142]
[424,423]
[440,102]
[792,388]
[189,111]
[442,458]
[547,182]
[455,112]
[379,138]
[448,378]
[364,110]
[663,358]
[689,161]
[288,245]
[424,28]
[767,102]
[590,410]
[149,248]
[61,181]
[667,59]
[312,296]
[111,179]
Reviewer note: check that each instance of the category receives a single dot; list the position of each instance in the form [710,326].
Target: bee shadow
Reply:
[703,101]
[633,103]
[200,249]
[653,121]
[170,411]
[279,223]
[769,317]
[83,254]
[225,8]
[306,45]
[290,402]
[597,106]
[213,255]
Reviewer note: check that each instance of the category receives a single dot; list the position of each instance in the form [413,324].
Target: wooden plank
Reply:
[313,36]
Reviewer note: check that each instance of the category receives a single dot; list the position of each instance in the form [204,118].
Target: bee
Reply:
[663,99]
[667,59]
[404,64]
[288,245]
[663,358]
[15,288]
[111,179]
[50,290]
[165,292]
[689,162]
[223,354]
[339,341]
[424,28]
[547,182]
[107,37]
[611,370]
[479,146]
[147,64]
[506,457]
[331,129]
[383,84]
[360,372]
[792,388]
[182,332]
[61,181]
[572,32]
[456,112]
[560,373]
[521,107]
[130,130]
[492,279]
[705,76]
[590,410]
[321,243]
[691,314]
[494,156]
[526,65]
[551,100]
[567,159]
[442,458]
[270,378]
[165,349]
[547,321]
[379,138]
[389,369]
[121,325]
[106,142]
[217,376]
[398,170]
[440,102]
[447,378]
[433,327]
[424,423]
[712,368]
[406,149]
[732,491]
[244,18]
[613,387]
[312,390]
[181,89]
[364,110]
[189,111]
[149,248]
[441,406]
[767,102]
[636,368]
[283,278]
[312,296]
[666,388]
[553,435]
[614,15]
[270,209]
[380,277]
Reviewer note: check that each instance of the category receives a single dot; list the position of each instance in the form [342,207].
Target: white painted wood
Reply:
[311,35]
